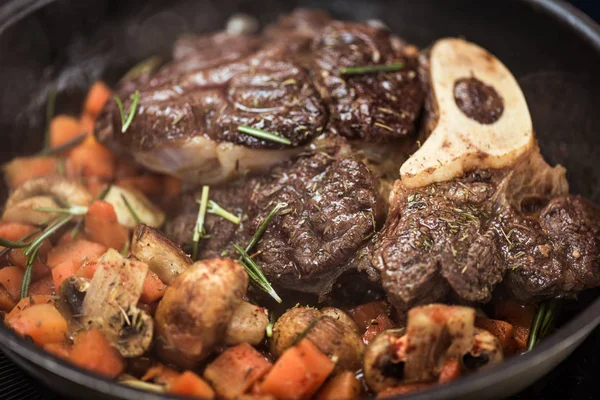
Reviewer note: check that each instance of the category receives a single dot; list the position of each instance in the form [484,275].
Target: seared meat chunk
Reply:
[462,238]
[374,107]
[332,209]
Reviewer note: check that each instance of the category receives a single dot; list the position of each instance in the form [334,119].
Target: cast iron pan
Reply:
[553,50]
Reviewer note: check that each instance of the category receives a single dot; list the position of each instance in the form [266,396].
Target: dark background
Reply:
[576,378]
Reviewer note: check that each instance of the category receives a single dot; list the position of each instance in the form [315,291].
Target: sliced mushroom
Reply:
[110,304]
[247,325]
[340,316]
[385,359]
[479,117]
[147,212]
[163,257]
[334,338]
[195,311]
[486,351]
[69,303]
[25,210]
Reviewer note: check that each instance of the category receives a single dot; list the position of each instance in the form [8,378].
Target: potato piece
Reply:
[163,257]
[147,212]
[336,339]
[195,311]
[247,325]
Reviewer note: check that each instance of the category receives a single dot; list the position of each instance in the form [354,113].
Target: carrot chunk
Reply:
[64,271]
[502,330]
[102,226]
[298,373]
[153,288]
[41,322]
[96,98]
[235,370]
[29,301]
[451,370]
[87,270]
[342,386]
[63,129]
[60,350]
[77,252]
[11,278]
[93,352]
[44,286]
[91,159]
[19,259]
[7,302]
[21,169]
[189,384]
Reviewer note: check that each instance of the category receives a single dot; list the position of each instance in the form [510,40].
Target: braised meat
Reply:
[286,81]
[464,237]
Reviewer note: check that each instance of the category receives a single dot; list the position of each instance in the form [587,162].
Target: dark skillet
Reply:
[553,50]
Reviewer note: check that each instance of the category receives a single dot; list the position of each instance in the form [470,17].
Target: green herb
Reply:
[269,328]
[76,229]
[33,248]
[63,147]
[127,118]
[125,249]
[369,69]
[18,244]
[214,208]
[542,322]
[73,210]
[259,133]
[104,192]
[49,114]
[131,210]
[305,332]
[261,229]
[255,273]
[199,228]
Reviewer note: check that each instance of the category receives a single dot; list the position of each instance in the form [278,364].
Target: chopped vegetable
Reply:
[21,169]
[235,370]
[153,288]
[298,373]
[143,208]
[451,370]
[91,159]
[247,325]
[519,316]
[63,129]
[189,384]
[27,302]
[41,322]
[63,271]
[341,386]
[503,331]
[10,279]
[76,252]
[160,374]
[96,98]
[93,352]
[102,225]
[44,286]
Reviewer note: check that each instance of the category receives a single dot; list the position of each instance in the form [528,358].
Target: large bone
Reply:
[457,142]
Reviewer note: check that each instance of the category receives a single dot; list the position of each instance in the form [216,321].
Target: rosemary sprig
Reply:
[255,273]
[49,114]
[199,228]
[542,322]
[261,229]
[136,218]
[259,133]
[127,118]
[19,243]
[369,69]
[33,248]
[72,210]
[47,151]
[214,208]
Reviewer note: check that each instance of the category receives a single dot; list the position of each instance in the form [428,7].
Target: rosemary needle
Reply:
[255,273]
[369,69]
[259,133]
[127,118]
[214,208]
[130,209]
[261,229]
[199,228]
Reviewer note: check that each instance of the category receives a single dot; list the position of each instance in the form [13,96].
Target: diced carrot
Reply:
[29,301]
[150,185]
[87,270]
[93,159]
[21,169]
[342,386]
[19,259]
[519,316]
[93,352]
[63,129]
[298,373]
[153,289]
[451,370]
[77,252]
[502,330]
[63,271]
[41,322]
[236,369]
[378,325]
[15,231]
[189,384]
[60,350]
[160,374]
[403,389]
[365,313]
[44,286]
[102,226]
[87,123]
[7,302]
[521,335]
[96,98]
[11,278]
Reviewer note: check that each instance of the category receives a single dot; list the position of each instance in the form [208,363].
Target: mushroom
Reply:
[385,359]
[247,325]
[479,117]
[333,336]
[340,316]
[45,191]
[163,257]
[69,303]
[486,351]
[110,304]
[195,311]
[143,208]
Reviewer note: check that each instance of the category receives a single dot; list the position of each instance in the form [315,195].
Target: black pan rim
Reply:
[571,333]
